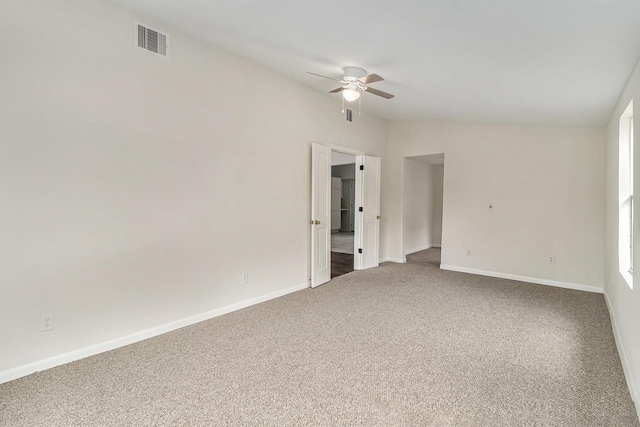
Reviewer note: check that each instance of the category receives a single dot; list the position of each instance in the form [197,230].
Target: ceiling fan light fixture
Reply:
[350,94]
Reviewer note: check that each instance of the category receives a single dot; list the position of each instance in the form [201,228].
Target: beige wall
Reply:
[418,203]
[137,190]
[624,303]
[437,180]
[546,185]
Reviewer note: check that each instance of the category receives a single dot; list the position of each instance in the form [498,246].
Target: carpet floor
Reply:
[397,345]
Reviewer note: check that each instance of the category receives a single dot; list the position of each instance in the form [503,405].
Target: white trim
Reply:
[61,359]
[357,216]
[418,249]
[558,284]
[397,260]
[623,357]
[346,150]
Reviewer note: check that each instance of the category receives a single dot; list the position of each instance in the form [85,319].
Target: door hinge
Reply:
[360,209]
[360,250]
[361,167]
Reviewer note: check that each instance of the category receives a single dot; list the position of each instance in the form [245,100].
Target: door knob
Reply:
[317,222]
[311,222]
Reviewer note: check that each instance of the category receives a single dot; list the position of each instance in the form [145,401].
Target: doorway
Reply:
[423,183]
[367,217]
[343,170]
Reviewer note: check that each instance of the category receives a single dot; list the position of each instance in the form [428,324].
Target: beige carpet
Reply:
[396,345]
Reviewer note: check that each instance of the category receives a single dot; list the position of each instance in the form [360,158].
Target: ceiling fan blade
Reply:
[330,78]
[371,78]
[340,89]
[380,93]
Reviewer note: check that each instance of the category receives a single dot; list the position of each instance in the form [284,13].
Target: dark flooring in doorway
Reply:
[341,264]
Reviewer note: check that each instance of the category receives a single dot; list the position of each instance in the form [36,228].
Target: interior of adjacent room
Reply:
[343,190]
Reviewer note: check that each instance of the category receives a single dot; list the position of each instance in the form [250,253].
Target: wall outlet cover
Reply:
[46,322]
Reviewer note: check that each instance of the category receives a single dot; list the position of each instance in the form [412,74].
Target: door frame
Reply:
[359,232]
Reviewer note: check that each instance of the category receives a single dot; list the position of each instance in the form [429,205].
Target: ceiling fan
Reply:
[354,82]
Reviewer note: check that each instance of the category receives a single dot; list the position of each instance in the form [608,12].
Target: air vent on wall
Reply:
[151,39]
[349,115]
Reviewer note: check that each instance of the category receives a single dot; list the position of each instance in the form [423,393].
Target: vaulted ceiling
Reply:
[536,62]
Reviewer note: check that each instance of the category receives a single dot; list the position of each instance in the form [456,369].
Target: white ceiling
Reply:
[534,62]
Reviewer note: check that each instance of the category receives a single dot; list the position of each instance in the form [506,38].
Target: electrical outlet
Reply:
[244,279]
[552,259]
[46,322]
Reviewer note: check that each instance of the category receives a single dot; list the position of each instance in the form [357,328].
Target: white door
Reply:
[320,215]
[367,235]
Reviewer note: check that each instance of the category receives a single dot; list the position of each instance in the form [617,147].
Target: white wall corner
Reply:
[62,359]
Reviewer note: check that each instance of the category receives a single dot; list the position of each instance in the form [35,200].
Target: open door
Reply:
[367,232]
[320,215]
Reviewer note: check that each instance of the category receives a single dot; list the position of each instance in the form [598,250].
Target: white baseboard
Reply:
[422,248]
[558,284]
[418,249]
[623,357]
[397,260]
[61,359]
